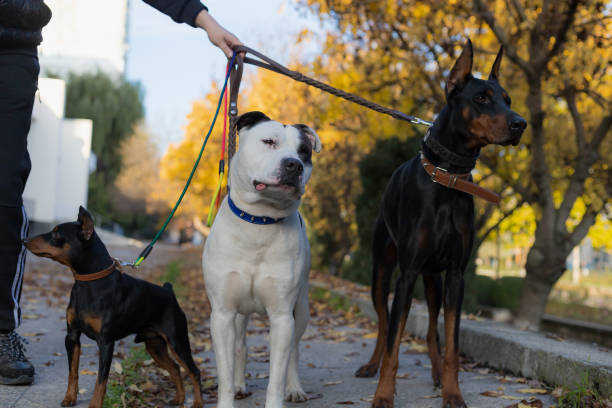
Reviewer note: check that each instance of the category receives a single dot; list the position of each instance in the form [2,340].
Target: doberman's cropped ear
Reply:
[462,70]
[307,131]
[250,119]
[87,224]
[494,75]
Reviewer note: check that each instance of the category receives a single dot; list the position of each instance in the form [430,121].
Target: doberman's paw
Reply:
[175,402]
[366,371]
[69,401]
[198,404]
[380,402]
[296,396]
[453,401]
[436,380]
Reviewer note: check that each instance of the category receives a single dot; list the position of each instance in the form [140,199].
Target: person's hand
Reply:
[217,35]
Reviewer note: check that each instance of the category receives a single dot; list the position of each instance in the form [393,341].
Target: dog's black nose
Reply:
[518,124]
[292,167]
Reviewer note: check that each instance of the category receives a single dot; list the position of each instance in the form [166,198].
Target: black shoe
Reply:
[15,368]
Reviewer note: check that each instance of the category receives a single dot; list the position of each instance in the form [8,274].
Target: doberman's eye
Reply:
[56,239]
[507,100]
[269,142]
[482,99]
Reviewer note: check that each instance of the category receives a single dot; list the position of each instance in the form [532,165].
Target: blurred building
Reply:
[85,35]
[82,36]
[60,150]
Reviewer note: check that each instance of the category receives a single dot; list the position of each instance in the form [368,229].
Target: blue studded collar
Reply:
[253,219]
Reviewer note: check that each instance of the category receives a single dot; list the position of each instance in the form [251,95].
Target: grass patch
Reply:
[582,395]
[578,311]
[117,394]
[333,300]
[171,274]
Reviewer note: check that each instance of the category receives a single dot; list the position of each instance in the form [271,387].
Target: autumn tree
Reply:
[133,206]
[114,106]
[558,73]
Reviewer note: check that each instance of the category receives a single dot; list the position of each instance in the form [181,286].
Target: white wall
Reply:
[43,144]
[73,168]
[60,151]
[84,35]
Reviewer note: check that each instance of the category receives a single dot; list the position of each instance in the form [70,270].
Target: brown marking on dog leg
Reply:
[197,391]
[73,378]
[380,302]
[70,316]
[434,301]
[451,393]
[95,322]
[98,395]
[383,398]
[158,349]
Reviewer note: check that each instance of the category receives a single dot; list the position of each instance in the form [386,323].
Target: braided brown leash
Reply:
[271,65]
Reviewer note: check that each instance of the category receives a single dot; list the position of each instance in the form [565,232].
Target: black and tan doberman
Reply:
[426,224]
[107,305]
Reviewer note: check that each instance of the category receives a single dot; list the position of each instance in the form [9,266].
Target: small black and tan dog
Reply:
[426,224]
[107,305]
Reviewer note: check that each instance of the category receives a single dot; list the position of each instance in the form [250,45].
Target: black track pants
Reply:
[18,84]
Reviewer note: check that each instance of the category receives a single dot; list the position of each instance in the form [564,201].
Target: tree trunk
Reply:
[534,298]
[543,269]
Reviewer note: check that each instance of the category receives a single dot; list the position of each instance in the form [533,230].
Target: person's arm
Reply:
[195,14]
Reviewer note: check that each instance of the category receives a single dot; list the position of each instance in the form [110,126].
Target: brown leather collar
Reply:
[457,181]
[98,275]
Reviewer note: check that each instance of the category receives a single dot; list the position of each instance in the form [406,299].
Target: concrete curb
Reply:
[529,354]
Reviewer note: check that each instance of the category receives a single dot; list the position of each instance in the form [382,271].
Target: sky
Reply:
[176,63]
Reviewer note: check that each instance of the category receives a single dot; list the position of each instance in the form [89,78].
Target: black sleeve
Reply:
[181,11]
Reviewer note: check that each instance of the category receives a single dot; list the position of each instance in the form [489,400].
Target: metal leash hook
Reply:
[235,79]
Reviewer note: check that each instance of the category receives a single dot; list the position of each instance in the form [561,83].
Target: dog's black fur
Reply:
[428,228]
[113,307]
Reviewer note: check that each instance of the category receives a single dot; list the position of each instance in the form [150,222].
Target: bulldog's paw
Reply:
[366,371]
[453,401]
[382,402]
[296,395]
[241,393]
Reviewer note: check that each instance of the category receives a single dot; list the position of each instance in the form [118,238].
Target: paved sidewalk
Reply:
[326,366]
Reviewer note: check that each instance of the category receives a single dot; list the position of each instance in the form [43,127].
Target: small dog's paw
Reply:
[69,401]
[381,402]
[366,371]
[296,395]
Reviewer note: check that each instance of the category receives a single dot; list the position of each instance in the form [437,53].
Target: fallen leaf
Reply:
[333,383]
[495,394]
[345,403]
[370,336]
[88,372]
[511,397]
[118,368]
[533,391]
[134,388]
[433,396]
[557,392]
[82,391]
[33,334]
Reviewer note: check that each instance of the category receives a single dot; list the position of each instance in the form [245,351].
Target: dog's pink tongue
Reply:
[260,187]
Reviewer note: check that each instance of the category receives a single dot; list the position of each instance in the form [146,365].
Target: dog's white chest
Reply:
[255,268]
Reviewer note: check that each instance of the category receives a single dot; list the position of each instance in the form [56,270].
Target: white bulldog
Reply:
[257,256]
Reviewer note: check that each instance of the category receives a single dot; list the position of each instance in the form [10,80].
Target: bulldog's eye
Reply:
[269,142]
[482,99]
